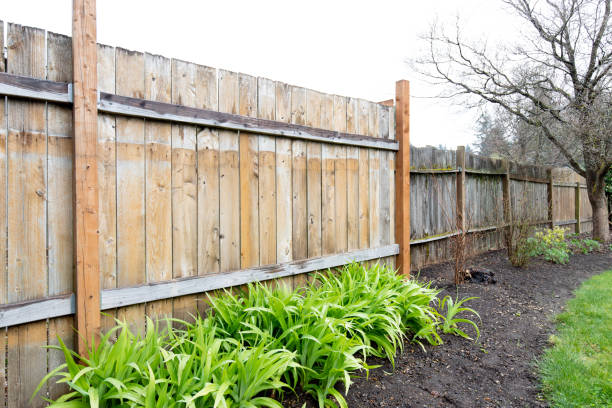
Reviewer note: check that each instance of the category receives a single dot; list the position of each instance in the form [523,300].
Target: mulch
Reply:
[517,313]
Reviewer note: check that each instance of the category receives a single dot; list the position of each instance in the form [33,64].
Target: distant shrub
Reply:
[584,246]
[551,244]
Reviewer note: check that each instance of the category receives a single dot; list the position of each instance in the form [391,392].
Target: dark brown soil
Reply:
[498,371]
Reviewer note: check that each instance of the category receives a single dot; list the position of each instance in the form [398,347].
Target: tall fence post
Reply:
[549,191]
[402,175]
[460,161]
[85,118]
[577,227]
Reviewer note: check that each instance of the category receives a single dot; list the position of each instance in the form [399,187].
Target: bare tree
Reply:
[555,77]
[503,135]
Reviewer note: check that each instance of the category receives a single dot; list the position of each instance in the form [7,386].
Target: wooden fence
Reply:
[209,179]
[439,178]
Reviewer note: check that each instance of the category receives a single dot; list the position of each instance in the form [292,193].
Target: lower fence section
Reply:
[25,358]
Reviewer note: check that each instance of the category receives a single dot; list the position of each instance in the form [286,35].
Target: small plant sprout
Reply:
[450,322]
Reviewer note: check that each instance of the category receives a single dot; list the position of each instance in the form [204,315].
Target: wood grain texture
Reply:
[328,177]
[27,221]
[374,198]
[313,175]
[107,175]
[266,109]
[402,175]
[249,176]
[364,198]
[229,177]
[353,198]
[50,91]
[299,183]
[60,151]
[284,187]
[122,297]
[208,176]
[158,181]
[184,187]
[130,154]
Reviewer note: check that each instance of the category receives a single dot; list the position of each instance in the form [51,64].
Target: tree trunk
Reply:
[599,204]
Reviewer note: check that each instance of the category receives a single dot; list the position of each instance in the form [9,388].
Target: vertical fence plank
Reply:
[249,176]
[158,179]
[208,176]
[340,188]
[59,204]
[229,173]
[266,109]
[353,198]
[284,213]
[299,183]
[107,175]
[130,134]
[27,195]
[207,97]
[402,175]
[313,175]
[328,177]
[374,198]
[184,188]
[391,180]
[352,176]
[364,198]
[550,197]
[460,160]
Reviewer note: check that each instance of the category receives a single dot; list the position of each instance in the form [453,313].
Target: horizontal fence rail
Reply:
[26,312]
[50,91]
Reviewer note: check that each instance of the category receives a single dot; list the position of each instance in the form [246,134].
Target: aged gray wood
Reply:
[141,108]
[120,297]
[64,305]
[20,86]
[555,184]
[428,171]
[48,308]
[567,222]
[33,88]
[452,234]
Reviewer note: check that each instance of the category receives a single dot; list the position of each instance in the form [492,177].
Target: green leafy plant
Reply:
[584,246]
[551,244]
[449,309]
[259,343]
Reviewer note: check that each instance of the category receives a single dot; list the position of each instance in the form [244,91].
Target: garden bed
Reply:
[499,370]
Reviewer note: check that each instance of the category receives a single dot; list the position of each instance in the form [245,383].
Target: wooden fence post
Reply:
[402,175]
[460,161]
[85,117]
[577,200]
[549,191]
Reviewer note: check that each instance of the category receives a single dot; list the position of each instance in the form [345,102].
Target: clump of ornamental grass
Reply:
[258,344]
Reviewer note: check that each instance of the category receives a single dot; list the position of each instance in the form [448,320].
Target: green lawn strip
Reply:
[577,370]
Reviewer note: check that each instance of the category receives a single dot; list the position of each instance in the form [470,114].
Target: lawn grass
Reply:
[577,370]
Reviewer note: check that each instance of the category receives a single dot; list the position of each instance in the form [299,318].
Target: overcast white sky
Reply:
[353,47]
